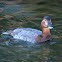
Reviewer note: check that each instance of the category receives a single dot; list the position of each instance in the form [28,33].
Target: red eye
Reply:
[44,20]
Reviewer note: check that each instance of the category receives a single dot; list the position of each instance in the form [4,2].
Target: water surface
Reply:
[28,14]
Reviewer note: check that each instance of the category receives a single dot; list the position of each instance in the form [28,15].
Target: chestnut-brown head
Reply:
[46,22]
[46,26]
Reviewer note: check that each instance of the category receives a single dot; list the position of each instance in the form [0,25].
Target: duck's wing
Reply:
[26,34]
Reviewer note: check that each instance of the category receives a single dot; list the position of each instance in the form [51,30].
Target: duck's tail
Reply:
[7,32]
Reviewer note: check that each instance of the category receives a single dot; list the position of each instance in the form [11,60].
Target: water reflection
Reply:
[25,53]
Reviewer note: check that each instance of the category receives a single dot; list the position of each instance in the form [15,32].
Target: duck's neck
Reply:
[45,31]
[46,36]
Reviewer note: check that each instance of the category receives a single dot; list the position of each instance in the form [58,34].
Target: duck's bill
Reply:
[50,27]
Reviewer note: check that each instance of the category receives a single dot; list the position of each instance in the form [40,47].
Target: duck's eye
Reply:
[44,20]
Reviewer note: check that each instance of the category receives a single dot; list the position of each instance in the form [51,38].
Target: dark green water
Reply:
[28,14]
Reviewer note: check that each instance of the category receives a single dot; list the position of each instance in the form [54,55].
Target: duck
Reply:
[33,35]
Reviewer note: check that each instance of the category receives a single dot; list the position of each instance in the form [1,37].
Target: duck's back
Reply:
[26,34]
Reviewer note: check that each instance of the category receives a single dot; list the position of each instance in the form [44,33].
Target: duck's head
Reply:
[46,22]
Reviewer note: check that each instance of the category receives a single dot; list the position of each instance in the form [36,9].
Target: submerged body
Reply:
[33,35]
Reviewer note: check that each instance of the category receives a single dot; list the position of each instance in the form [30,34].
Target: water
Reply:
[28,14]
